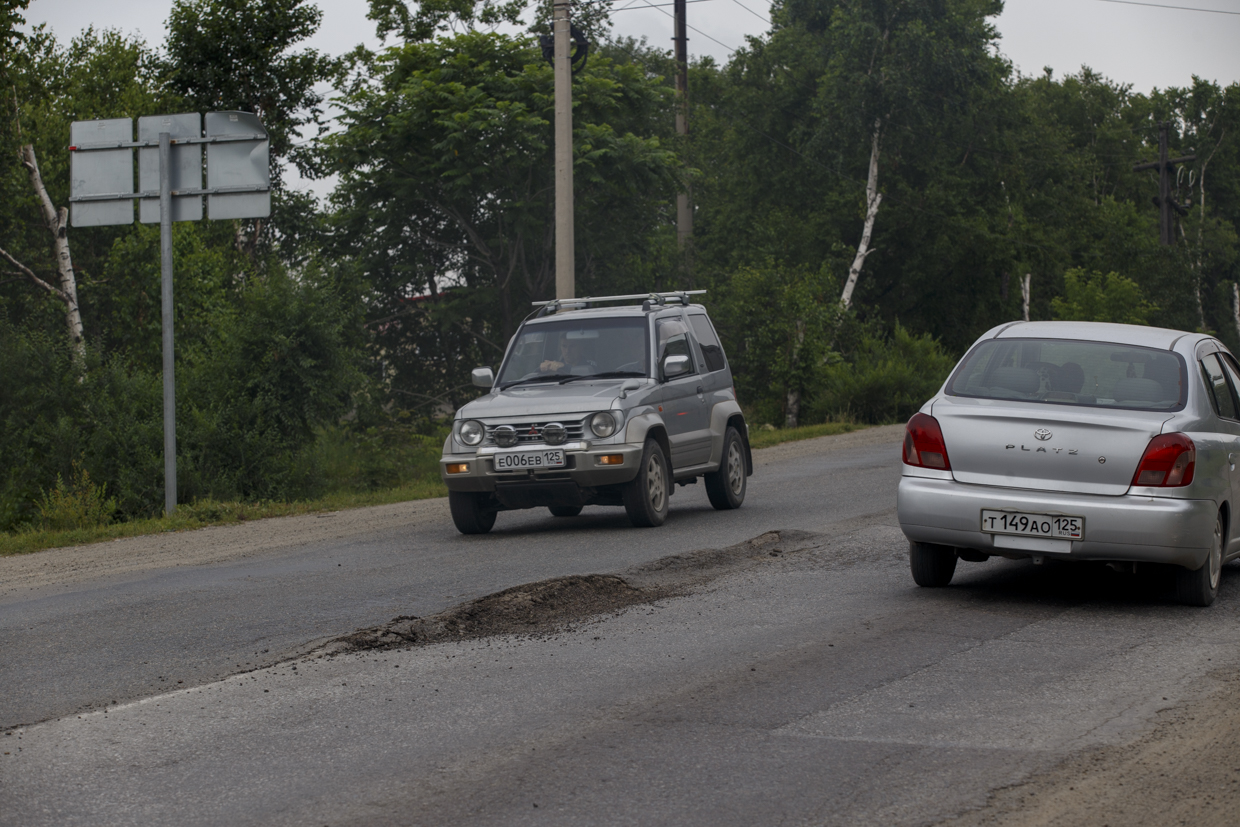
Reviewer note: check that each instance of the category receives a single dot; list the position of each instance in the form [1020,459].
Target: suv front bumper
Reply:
[583,468]
[1125,528]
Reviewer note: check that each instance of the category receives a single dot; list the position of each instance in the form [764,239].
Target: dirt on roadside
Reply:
[1186,771]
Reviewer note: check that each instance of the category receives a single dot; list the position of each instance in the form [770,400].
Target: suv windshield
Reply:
[1094,374]
[572,348]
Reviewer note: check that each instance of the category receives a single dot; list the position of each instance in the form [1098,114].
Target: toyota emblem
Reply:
[1042,434]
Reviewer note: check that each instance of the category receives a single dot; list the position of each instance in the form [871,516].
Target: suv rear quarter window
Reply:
[709,341]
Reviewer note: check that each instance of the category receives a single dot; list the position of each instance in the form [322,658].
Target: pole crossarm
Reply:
[1183,159]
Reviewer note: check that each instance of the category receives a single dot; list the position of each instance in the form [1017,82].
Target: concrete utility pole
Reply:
[565,278]
[1167,206]
[684,206]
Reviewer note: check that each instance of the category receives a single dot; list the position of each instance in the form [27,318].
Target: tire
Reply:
[564,510]
[726,487]
[645,497]
[470,512]
[932,565]
[1200,587]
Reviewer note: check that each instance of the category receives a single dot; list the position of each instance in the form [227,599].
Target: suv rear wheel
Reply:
[726,487]
[645,498]
[470,512]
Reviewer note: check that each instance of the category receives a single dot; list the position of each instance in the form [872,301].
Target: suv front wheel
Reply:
[470,512]
[645,498]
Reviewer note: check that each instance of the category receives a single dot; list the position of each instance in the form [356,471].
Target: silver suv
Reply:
[600,405]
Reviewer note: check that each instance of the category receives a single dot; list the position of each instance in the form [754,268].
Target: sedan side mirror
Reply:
[482,377]
[676,365]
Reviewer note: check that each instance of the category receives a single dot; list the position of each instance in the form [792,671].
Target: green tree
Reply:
[1095,297]
[446,193]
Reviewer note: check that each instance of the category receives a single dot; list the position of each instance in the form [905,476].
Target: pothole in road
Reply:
[547,606]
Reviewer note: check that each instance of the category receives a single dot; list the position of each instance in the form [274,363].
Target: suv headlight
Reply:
[604,423]
[471,432]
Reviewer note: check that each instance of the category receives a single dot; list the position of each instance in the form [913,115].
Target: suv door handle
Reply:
[699,390]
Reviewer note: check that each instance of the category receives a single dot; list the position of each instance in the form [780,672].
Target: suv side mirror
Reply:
[482,377]
[676,365]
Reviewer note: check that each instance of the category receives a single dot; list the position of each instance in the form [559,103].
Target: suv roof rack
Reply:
[649,301]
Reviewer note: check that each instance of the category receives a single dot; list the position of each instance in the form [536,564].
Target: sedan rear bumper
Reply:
[1126,528]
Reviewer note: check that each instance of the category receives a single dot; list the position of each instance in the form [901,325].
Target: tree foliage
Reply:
[314,348]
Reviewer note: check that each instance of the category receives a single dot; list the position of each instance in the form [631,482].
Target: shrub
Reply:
[80,504]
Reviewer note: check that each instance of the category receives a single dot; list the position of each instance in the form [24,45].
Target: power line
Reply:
[751,11]
[658,6]
[1164,6]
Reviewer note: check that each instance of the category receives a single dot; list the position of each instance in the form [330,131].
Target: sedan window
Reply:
[1221,397]
[1067,372]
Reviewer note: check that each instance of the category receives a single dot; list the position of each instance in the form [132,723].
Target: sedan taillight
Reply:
[1167,463]
[923,443]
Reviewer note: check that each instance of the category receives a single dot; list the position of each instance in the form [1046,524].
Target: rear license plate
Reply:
[1024,524]
[529,460]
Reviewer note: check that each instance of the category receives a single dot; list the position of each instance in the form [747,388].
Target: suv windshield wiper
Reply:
[610,374]
[550,377]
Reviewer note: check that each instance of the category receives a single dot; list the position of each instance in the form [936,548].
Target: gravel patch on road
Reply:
[218,544]
[1185,771]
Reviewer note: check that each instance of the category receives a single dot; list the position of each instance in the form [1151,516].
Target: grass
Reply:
[765,439]
[207,513]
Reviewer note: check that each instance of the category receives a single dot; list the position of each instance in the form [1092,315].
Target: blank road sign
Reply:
[107,172]
[242,164]
[186,169]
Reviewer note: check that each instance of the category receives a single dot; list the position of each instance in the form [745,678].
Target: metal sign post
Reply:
[170,189]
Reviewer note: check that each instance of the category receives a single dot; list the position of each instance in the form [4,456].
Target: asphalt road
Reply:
[64,650]
[814,686]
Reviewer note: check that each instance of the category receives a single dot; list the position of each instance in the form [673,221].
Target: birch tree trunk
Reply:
[1024,295]
[872,199]
[57,222]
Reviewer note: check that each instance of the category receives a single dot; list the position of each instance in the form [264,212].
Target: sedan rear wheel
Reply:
[932,565]
[1200,587]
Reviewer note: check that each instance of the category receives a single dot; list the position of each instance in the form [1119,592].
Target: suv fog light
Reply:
[611,459]
[505,436]
[471,432]
[458,467]
[603,424]
[554,433]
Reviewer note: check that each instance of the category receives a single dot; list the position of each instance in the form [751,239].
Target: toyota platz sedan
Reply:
[1079,441]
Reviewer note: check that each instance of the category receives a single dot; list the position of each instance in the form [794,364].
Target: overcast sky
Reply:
[1137,44]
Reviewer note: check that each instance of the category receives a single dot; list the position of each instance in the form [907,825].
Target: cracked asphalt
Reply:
[807,681]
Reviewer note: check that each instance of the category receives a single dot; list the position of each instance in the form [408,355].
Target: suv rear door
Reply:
[682,398]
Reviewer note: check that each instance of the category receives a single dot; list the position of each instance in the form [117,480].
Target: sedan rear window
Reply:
[1064,372]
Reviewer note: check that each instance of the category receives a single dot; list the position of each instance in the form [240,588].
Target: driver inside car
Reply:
[572,355]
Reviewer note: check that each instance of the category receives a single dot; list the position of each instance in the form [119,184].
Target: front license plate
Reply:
[1033,525]
[529,460]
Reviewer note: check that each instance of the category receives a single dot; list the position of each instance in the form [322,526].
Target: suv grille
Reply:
[528,432]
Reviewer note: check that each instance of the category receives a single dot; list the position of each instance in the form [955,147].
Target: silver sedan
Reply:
[1079,441]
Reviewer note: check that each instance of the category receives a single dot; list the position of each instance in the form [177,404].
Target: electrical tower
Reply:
[1167,206]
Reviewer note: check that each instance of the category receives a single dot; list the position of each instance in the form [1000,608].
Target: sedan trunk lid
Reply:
[1045,447]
